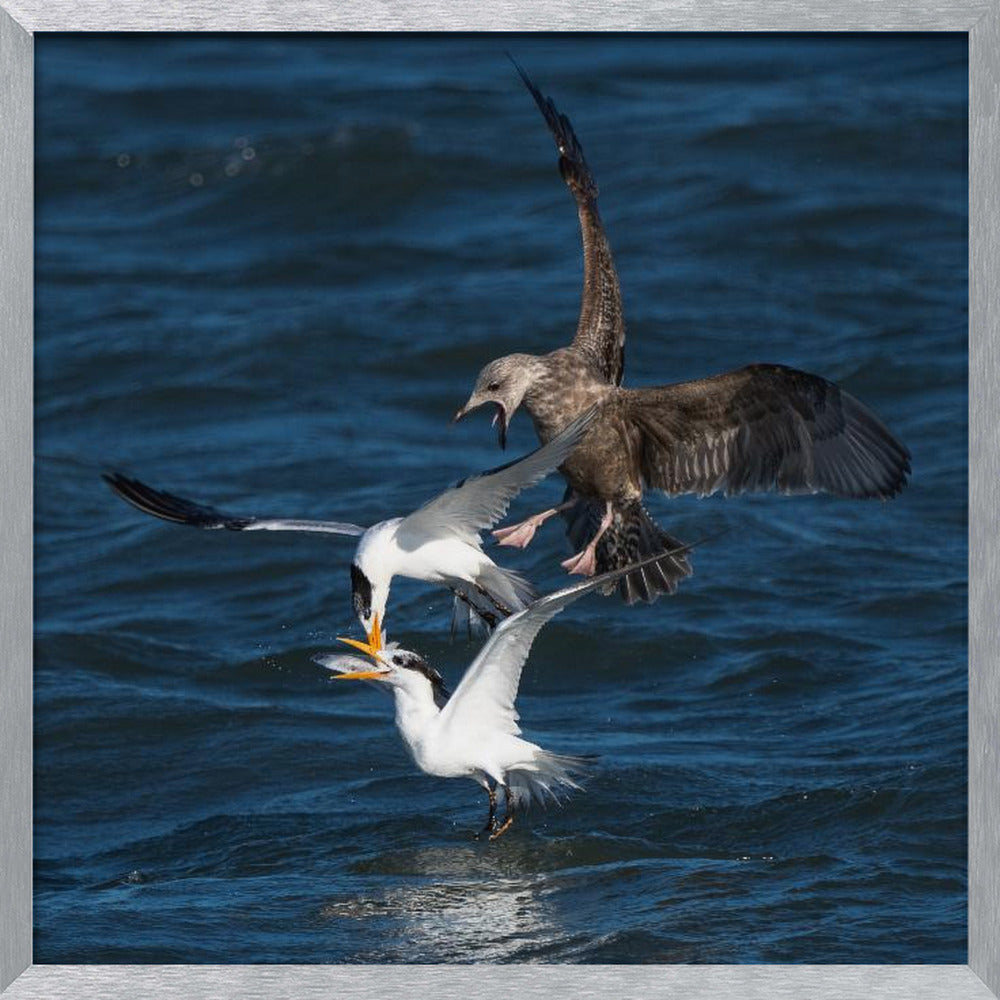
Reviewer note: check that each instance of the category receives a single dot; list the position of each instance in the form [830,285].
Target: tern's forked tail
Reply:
[549,777]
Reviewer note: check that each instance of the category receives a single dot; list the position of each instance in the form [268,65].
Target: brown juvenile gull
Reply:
[761,427]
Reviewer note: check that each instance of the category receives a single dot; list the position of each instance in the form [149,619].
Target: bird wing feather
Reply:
[480,501]
[486,693]
[600,331]
[179,510]
[763,427]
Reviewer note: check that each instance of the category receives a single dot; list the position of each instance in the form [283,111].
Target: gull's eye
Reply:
[493,386]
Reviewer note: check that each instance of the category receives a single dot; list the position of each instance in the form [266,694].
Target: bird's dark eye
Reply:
[493,386]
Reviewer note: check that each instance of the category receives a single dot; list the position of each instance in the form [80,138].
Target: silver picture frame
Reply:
[20,20]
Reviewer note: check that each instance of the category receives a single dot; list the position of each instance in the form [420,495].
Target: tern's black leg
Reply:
[502,608]
[491,820]
[508,816]
[460,596]
[487,616]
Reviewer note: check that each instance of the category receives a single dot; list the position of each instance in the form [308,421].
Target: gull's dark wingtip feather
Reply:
[572,163]
[540,99]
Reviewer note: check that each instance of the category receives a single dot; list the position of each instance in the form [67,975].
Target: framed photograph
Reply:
[251,273]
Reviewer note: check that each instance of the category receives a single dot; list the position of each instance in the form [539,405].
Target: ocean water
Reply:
[268,270]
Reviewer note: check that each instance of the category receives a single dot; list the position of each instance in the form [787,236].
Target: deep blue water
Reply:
[268,270]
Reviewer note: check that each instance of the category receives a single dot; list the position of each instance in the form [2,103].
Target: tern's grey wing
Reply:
[171,507]
[600,331]
[763,427]
[481,501]
[486,693]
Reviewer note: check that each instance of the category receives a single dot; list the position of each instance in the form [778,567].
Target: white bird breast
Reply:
[436,560]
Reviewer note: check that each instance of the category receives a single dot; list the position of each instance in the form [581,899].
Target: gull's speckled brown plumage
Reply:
[761,427]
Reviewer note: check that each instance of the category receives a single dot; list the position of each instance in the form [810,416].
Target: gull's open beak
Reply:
[500,422]
[499,418]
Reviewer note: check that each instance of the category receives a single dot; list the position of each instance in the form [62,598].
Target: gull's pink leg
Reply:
[520,535]
[584,563]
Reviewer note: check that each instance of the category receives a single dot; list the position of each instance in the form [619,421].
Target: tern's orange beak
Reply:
[372,646]
[375,635]
[369,649]
[365,647]
[361,675]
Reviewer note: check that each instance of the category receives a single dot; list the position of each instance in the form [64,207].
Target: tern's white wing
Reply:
[484,698]
[480,501]
[170,507]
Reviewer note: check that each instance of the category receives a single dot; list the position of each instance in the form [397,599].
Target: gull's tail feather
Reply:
[632,536]
[549,777]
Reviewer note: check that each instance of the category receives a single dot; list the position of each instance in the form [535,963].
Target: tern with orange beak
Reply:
[438,543]
[474,732]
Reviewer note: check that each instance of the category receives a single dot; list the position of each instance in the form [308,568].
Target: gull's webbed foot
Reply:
[517,536]
[583,563]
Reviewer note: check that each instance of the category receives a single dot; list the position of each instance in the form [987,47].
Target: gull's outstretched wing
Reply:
[480,501]
[486,693]
[763,427]
[600,332]
[170,507]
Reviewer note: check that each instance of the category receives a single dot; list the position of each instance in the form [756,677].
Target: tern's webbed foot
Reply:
[508,818]
[487,831]
[503,827]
